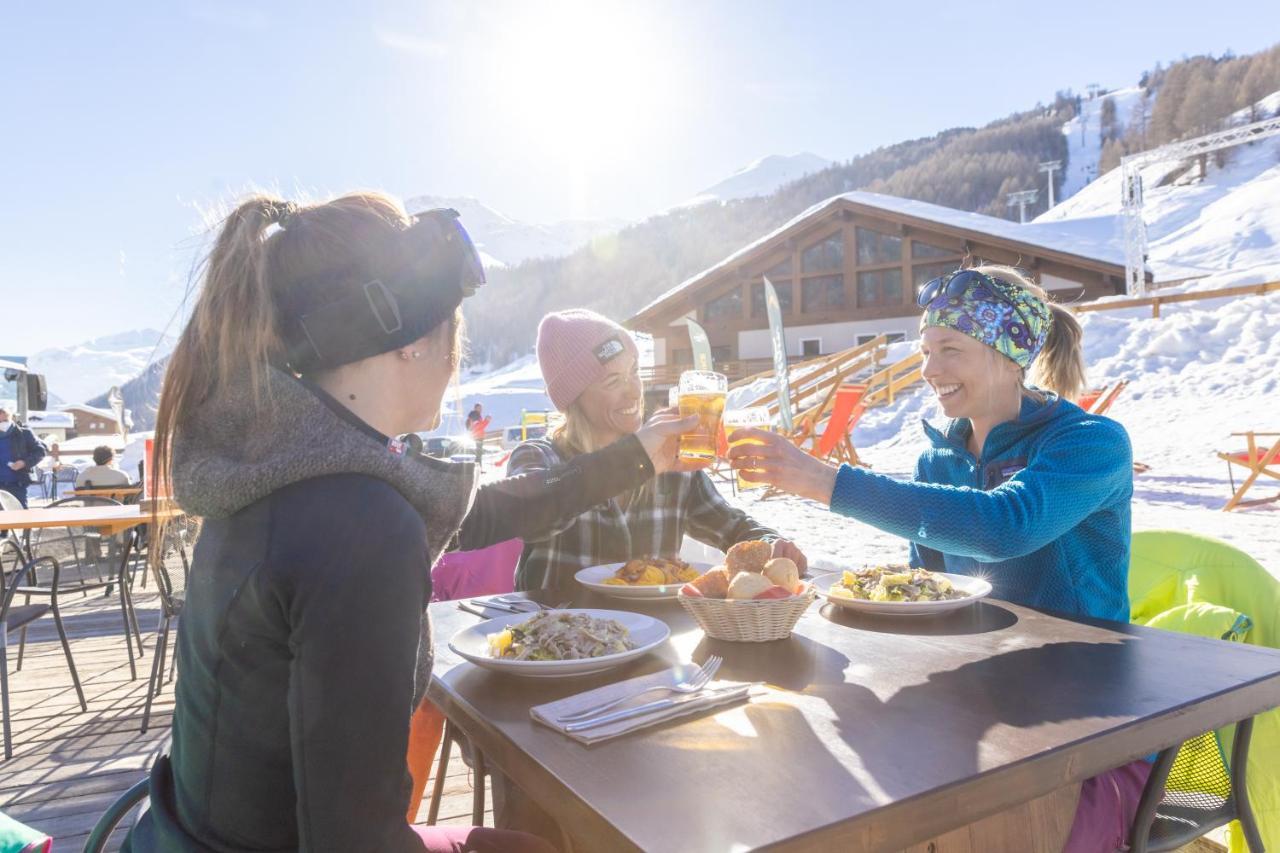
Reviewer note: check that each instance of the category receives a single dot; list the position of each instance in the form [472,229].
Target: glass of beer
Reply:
[756,417]
[702,393]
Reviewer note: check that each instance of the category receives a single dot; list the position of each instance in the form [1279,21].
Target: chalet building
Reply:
[90,420]
[848,269]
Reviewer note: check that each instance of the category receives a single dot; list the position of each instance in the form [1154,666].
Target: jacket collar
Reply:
[237,449]
[954,434]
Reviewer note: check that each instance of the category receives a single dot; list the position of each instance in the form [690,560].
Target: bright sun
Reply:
[589,83]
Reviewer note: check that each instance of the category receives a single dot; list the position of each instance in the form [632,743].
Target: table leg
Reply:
[126,608]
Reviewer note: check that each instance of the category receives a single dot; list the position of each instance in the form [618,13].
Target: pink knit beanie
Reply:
[574,350]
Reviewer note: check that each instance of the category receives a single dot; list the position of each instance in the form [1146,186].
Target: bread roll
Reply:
[748,556]
[783,572]
[714,583]
[748,585]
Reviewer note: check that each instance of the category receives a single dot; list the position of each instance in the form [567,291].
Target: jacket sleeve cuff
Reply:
[632,455]
[846,496]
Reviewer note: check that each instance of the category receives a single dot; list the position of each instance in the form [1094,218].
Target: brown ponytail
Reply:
[234,333]
[1060,365]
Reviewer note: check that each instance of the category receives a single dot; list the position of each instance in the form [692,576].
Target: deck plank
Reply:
[69,765]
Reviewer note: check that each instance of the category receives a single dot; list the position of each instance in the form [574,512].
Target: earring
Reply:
[404,356]
[416,354]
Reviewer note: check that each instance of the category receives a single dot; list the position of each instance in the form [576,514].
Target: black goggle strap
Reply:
[340,331]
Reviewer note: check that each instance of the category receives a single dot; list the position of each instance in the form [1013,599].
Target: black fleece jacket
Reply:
[298,645]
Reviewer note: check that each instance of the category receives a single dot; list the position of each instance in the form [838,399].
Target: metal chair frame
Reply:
[14,586]
[1235,808]
[111,818]
[170,610]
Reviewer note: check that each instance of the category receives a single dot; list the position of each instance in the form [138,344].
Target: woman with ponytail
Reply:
[1020,485]
[321,334]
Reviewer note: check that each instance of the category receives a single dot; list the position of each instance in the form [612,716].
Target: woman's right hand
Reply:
[661,440]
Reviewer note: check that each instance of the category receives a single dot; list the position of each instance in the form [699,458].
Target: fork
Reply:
[517,601]
[692,684]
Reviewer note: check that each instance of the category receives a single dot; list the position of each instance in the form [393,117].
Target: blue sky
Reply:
[127,126]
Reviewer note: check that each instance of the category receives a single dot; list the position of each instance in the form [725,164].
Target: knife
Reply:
[659,705]
[501,608]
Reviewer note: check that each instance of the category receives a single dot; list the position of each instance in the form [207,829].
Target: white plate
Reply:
[594,578]
[473,644]
[975,589]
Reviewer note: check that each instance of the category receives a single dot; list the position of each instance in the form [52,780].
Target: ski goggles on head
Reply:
[1004,316]
[441,267]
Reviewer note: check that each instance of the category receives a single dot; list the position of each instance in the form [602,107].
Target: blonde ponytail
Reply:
[1060,365]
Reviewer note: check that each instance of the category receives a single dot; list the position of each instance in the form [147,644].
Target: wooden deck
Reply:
[68,765]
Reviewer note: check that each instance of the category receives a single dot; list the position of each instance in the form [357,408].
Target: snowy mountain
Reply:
[1084,138]
[1195,227]
[76,373]
[504,241]
[761,177]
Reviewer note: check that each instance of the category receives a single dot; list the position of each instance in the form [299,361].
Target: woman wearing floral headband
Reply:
[1020,485]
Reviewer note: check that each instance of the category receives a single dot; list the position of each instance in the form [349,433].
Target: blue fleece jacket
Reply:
[1043,514]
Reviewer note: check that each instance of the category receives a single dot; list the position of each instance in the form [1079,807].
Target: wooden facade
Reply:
[90,421]
[845,273]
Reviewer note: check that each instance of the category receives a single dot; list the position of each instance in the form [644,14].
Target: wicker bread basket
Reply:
[748,621]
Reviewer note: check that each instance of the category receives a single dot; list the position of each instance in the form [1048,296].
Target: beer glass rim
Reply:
[706,375]
[747,414]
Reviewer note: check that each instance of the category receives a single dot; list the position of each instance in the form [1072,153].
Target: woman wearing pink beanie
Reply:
[591,367]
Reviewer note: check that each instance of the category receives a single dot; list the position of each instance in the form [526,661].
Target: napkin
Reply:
[715,694]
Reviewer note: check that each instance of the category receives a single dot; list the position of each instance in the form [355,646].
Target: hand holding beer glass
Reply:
[755,417]
[702,394]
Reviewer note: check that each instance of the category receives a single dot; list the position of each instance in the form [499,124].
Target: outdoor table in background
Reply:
[882,733]
[109,520]
[115,493]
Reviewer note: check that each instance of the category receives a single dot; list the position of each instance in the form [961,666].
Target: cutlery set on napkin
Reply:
[638,703]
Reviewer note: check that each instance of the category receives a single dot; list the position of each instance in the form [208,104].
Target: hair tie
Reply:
[281,212]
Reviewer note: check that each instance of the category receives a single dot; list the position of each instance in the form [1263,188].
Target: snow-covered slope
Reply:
[761,177]
[1230,220]
[504,241]
[76,373]
[1084,137]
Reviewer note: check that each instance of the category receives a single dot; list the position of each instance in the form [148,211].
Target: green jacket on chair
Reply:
[1169,569]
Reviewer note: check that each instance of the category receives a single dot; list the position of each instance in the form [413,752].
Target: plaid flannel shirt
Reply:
[654,523]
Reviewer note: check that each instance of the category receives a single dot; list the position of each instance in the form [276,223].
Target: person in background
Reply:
[1020,485]
[477,423]
[20,453]
[103,473]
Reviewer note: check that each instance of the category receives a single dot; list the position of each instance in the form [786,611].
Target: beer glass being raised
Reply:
[756,417]
[702,393]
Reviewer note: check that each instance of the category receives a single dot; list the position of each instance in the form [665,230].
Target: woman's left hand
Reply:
[790,550]
[768,457]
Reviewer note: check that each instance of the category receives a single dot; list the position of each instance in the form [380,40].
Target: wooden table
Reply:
[108,520]
[879,733]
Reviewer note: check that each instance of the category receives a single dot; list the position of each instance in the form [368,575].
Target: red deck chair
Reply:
[1097,401]
[1258,461]
[846,411]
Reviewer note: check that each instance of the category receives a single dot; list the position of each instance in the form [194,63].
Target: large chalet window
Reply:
[728,305]
[922,273]
[877,248]
[757,297]
[824,256]
[928,250]
[880,287]
[824,293]
[780,271]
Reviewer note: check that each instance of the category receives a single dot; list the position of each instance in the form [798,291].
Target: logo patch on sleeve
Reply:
[608,350]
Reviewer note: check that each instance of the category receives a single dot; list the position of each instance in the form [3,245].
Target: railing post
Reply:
[1155,309]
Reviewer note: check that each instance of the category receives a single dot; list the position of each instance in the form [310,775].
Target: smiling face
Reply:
[971,379]
[614,405]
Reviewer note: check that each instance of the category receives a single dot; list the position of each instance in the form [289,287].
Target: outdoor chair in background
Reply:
[16,617]
[65,475]
[836,443]
[170,563]
[1099,400]
[114,817]
[9,502]
[90,560]
[1198,585]
[1258,461]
